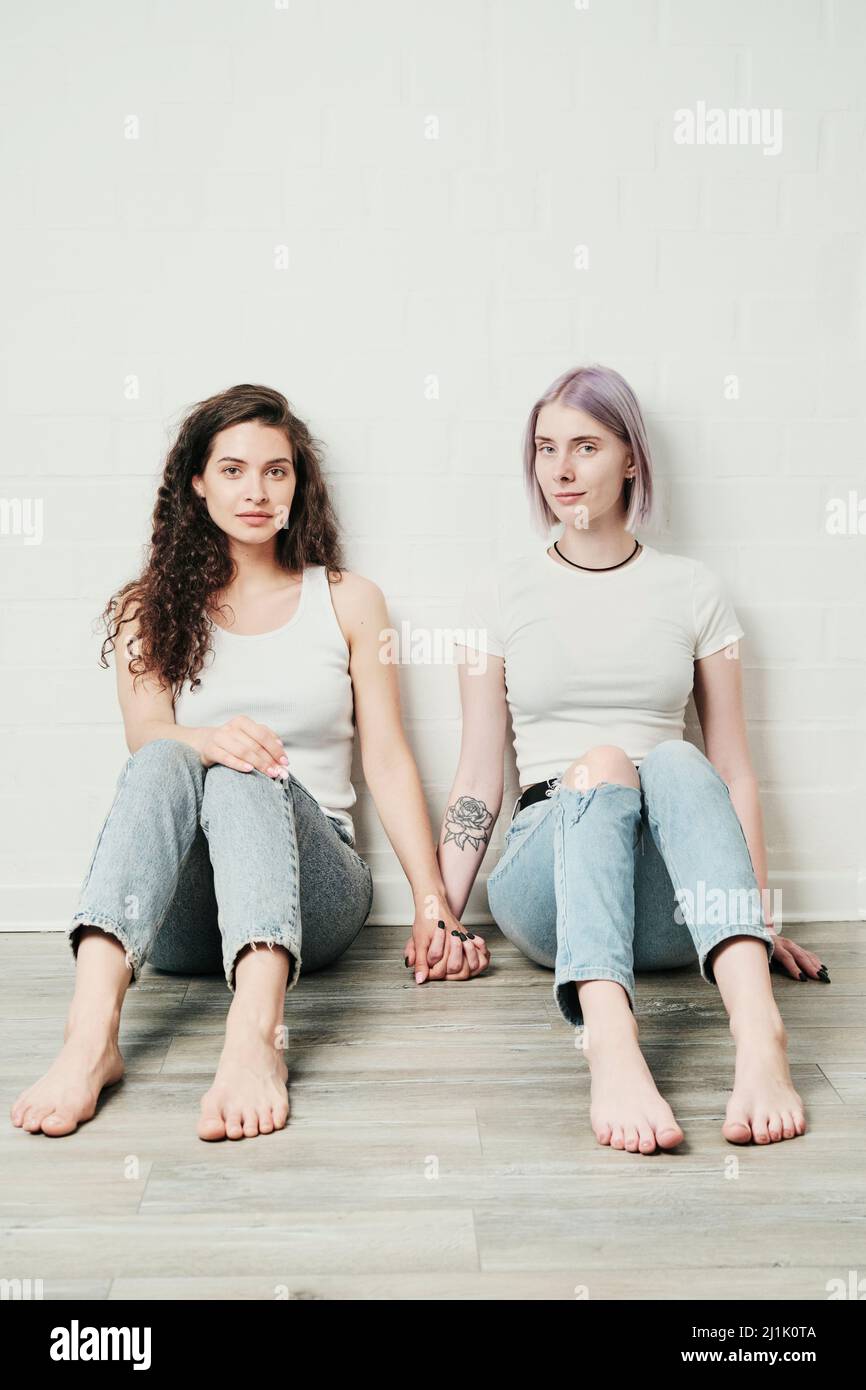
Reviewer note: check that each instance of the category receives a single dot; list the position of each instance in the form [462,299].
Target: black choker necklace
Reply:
[596,569]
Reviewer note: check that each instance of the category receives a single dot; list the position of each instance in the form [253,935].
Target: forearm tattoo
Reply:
[468,822]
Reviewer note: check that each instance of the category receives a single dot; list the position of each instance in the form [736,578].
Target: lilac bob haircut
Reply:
[609,399]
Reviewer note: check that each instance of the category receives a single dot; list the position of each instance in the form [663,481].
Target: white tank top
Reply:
[294,679]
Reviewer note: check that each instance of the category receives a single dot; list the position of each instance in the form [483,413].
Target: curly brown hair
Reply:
[188,561]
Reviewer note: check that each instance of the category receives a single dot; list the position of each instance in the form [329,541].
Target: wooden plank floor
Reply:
[439,1143]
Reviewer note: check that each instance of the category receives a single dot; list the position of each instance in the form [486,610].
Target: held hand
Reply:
[796,960]
[245,746]
[444,950]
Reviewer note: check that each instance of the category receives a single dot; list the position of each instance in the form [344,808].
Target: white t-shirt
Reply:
[592,659]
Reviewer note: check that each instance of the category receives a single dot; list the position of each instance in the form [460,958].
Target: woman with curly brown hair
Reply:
[249,655]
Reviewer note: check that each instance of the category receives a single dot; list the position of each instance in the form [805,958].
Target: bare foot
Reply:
[67,1094]
[248,1096]
[764,1107]
[627,1110]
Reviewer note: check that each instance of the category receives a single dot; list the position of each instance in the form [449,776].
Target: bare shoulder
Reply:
[358,602]
[356,594]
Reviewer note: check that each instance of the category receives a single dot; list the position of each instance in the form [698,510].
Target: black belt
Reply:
[537,792]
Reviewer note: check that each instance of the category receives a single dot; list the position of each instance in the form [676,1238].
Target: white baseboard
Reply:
[806,897]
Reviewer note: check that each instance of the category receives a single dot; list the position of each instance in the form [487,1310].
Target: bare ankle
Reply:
[94,1018]
[608,1034]
[250,1015]
[764,1027]
[605,1005]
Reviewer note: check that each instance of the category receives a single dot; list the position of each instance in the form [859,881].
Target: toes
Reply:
[647,1140]
[220,1119]
[38,1113]
[737,1131]
[211,1128]
[212,1123]
[616,1139]
[58,1122]
[631,1139]
[767,1127]
[234,1125]
[670,1136]
[16,1112]
[760,1129]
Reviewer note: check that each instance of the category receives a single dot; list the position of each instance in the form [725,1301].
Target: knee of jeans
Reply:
[166,753]
[229,781]
[674,757]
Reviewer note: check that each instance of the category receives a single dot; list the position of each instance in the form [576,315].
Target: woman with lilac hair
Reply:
[628,848]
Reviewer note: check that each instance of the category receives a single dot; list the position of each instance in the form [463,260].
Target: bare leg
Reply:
[627,1111]
[90,1057]
[764,1106]
[248,1096]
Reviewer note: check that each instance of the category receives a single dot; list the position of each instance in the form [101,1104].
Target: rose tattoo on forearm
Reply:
[468,821]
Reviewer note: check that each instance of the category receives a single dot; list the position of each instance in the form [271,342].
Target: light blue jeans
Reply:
[194,863]
[599,883]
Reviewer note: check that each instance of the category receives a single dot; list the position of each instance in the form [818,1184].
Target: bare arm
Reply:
[719,703]
[147,708]
[392,777]
[476,792]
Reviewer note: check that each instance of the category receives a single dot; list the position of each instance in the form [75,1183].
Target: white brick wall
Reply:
[151,261]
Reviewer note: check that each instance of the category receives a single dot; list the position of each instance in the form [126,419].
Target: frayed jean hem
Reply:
[272,939]
[728,933]
[108,924]
[566,995]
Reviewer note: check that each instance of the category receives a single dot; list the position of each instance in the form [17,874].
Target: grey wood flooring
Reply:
[438,1146]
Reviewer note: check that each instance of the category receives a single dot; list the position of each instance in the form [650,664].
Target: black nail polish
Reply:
[462,935]
[802,976]
[471,935]
[823,976]
[455,932]
[441,924]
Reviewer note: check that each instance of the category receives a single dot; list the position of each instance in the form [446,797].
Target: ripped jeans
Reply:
[194,863]
[599,883]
